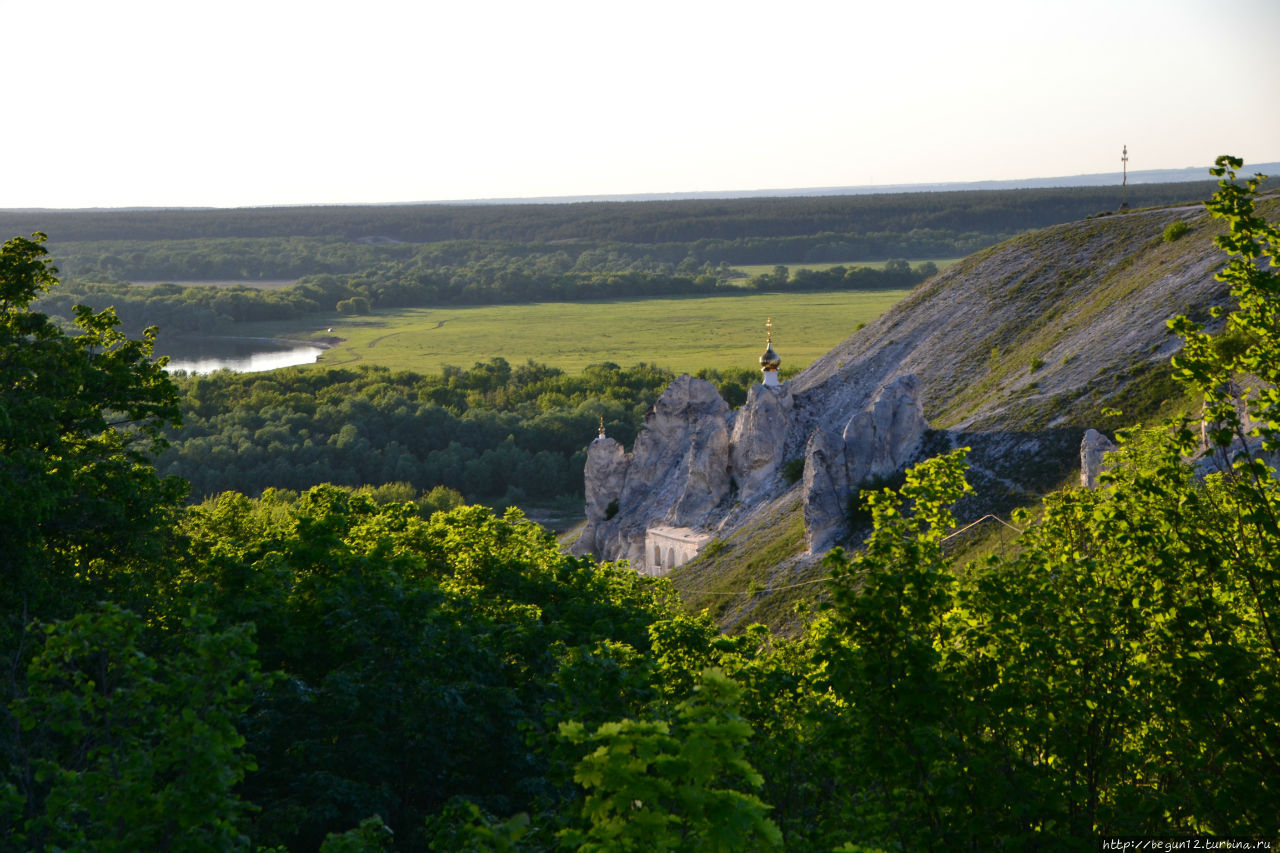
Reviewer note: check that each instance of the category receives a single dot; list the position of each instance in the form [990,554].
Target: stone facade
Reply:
[667,547]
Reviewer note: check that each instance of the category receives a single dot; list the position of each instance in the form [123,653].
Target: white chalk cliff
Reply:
[695,460]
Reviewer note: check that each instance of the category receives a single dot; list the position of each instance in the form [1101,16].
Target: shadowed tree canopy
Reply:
[79,411]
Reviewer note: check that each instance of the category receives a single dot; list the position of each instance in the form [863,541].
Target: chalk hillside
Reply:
[1016,351]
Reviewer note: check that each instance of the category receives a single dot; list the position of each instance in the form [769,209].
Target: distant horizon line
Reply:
[1186,174]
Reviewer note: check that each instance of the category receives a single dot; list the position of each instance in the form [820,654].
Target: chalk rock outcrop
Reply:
[884,437]
[680,462]
[1093,447]
[759,440]
[875,442]
[692,450]
[826,490]
[677,473]
[603,478]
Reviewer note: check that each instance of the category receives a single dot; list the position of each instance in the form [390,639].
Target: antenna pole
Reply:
[1124,183]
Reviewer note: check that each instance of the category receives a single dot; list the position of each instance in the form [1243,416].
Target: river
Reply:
[243,355]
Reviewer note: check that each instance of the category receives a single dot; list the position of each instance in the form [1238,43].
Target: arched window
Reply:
[657,557]
[671,558]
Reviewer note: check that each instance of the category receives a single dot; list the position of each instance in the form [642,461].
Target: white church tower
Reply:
[770,360]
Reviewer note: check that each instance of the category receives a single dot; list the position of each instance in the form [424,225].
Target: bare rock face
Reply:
[759,440]
[606,469]
[706,478]
[681,456]
[875,442]
[1092,448]
[884,437]
[603,478]
[677,474]
[825,491]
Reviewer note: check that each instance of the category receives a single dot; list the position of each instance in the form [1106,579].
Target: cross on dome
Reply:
[770,360]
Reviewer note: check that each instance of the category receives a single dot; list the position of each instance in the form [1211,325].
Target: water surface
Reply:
[243,355]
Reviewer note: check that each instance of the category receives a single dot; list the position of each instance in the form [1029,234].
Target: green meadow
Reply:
[679,333]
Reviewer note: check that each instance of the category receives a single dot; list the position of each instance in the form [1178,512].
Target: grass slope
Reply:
[750,576]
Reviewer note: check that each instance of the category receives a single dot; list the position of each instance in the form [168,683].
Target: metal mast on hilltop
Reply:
[1124,183]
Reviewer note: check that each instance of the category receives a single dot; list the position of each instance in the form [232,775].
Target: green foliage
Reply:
[439,499]
[371,836]
[1252,244]
[1104,679]
[1175,230]
[354,305]
[880,648]
[731,383]
[793,470]
[461,827]
[655,786]
[859,509]
[122,750]
[413,661]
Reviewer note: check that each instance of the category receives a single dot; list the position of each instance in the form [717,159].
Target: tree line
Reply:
[257,259]
[318,671]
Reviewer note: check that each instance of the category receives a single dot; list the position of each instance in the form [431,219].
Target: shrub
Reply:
[860,514]
[1174,230]
[354,305]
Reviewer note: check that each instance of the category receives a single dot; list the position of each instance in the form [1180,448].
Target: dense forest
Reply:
[493,433]
[324,671]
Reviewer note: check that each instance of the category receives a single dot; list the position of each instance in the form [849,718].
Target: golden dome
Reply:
[770,360]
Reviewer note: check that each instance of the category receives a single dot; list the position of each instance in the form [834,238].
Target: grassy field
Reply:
[753,270]
[682,334]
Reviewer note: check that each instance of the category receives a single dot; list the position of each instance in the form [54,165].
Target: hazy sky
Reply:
[229,103]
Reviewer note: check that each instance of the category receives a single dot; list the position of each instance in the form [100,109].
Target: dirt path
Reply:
[373,343]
